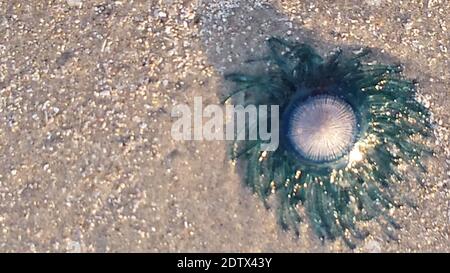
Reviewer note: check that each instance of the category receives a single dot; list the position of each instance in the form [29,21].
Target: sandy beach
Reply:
[87,163]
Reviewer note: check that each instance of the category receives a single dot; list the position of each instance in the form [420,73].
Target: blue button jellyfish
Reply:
[346,128]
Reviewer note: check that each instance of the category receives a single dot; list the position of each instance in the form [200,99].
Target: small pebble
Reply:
[75,3]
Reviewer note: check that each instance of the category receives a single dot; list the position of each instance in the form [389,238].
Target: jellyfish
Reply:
[347,123]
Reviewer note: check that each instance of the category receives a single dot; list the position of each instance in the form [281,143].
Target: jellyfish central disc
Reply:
[323,128]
